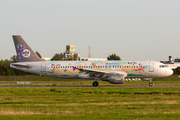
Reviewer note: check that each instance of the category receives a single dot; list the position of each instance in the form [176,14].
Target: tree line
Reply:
[5,70]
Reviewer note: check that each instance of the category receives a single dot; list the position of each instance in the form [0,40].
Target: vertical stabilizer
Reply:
[24,51]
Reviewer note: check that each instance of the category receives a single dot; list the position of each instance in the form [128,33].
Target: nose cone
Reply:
[170,72]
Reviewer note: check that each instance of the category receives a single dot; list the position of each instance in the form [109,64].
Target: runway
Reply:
[86,86]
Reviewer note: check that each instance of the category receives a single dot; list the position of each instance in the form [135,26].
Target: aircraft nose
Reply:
[168,72]
[171,72]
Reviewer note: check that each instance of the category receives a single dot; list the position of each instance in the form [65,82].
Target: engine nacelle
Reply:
[118,79]
[84,76]
[115,79]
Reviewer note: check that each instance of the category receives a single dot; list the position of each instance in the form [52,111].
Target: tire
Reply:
[95,84]
[150,84]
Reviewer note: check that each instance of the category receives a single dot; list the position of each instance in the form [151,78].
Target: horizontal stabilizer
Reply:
[21,65]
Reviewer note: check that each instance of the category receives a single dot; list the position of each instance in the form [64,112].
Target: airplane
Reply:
[113,72]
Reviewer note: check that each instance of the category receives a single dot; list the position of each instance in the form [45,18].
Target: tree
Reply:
[57,56]
[76,56]
[176,71]
[113,57]
[71,56]
[14,59]
[5,62]
[38,54]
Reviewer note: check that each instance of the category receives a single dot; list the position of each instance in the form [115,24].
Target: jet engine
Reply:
[84,76]
[114,79]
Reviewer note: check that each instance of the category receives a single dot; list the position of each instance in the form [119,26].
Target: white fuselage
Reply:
[70,69]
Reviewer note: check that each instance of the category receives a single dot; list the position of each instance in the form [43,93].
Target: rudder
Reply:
[24,51]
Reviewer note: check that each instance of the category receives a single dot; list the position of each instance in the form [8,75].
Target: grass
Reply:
[36,80]
[90,103]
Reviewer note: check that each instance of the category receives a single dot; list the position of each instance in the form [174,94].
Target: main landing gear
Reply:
[95,83]
[150,82]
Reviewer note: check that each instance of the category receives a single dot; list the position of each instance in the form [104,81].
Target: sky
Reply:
[132,29]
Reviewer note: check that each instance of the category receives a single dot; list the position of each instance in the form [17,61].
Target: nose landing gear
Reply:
[150,82]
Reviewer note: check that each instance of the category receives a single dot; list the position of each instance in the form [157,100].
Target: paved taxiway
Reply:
[82,86]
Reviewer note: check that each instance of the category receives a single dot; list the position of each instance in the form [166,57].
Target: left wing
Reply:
[100,73]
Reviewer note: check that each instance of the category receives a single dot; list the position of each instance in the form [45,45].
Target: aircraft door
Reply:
[43,67]
[151,67]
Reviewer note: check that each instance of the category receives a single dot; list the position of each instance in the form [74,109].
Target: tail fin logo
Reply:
[23,52]
[26,53]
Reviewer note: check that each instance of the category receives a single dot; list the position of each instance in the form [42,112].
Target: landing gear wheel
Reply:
[151,84]
[95,84]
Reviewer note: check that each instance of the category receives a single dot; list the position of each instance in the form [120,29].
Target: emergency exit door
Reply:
[43,67]
[151,67]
